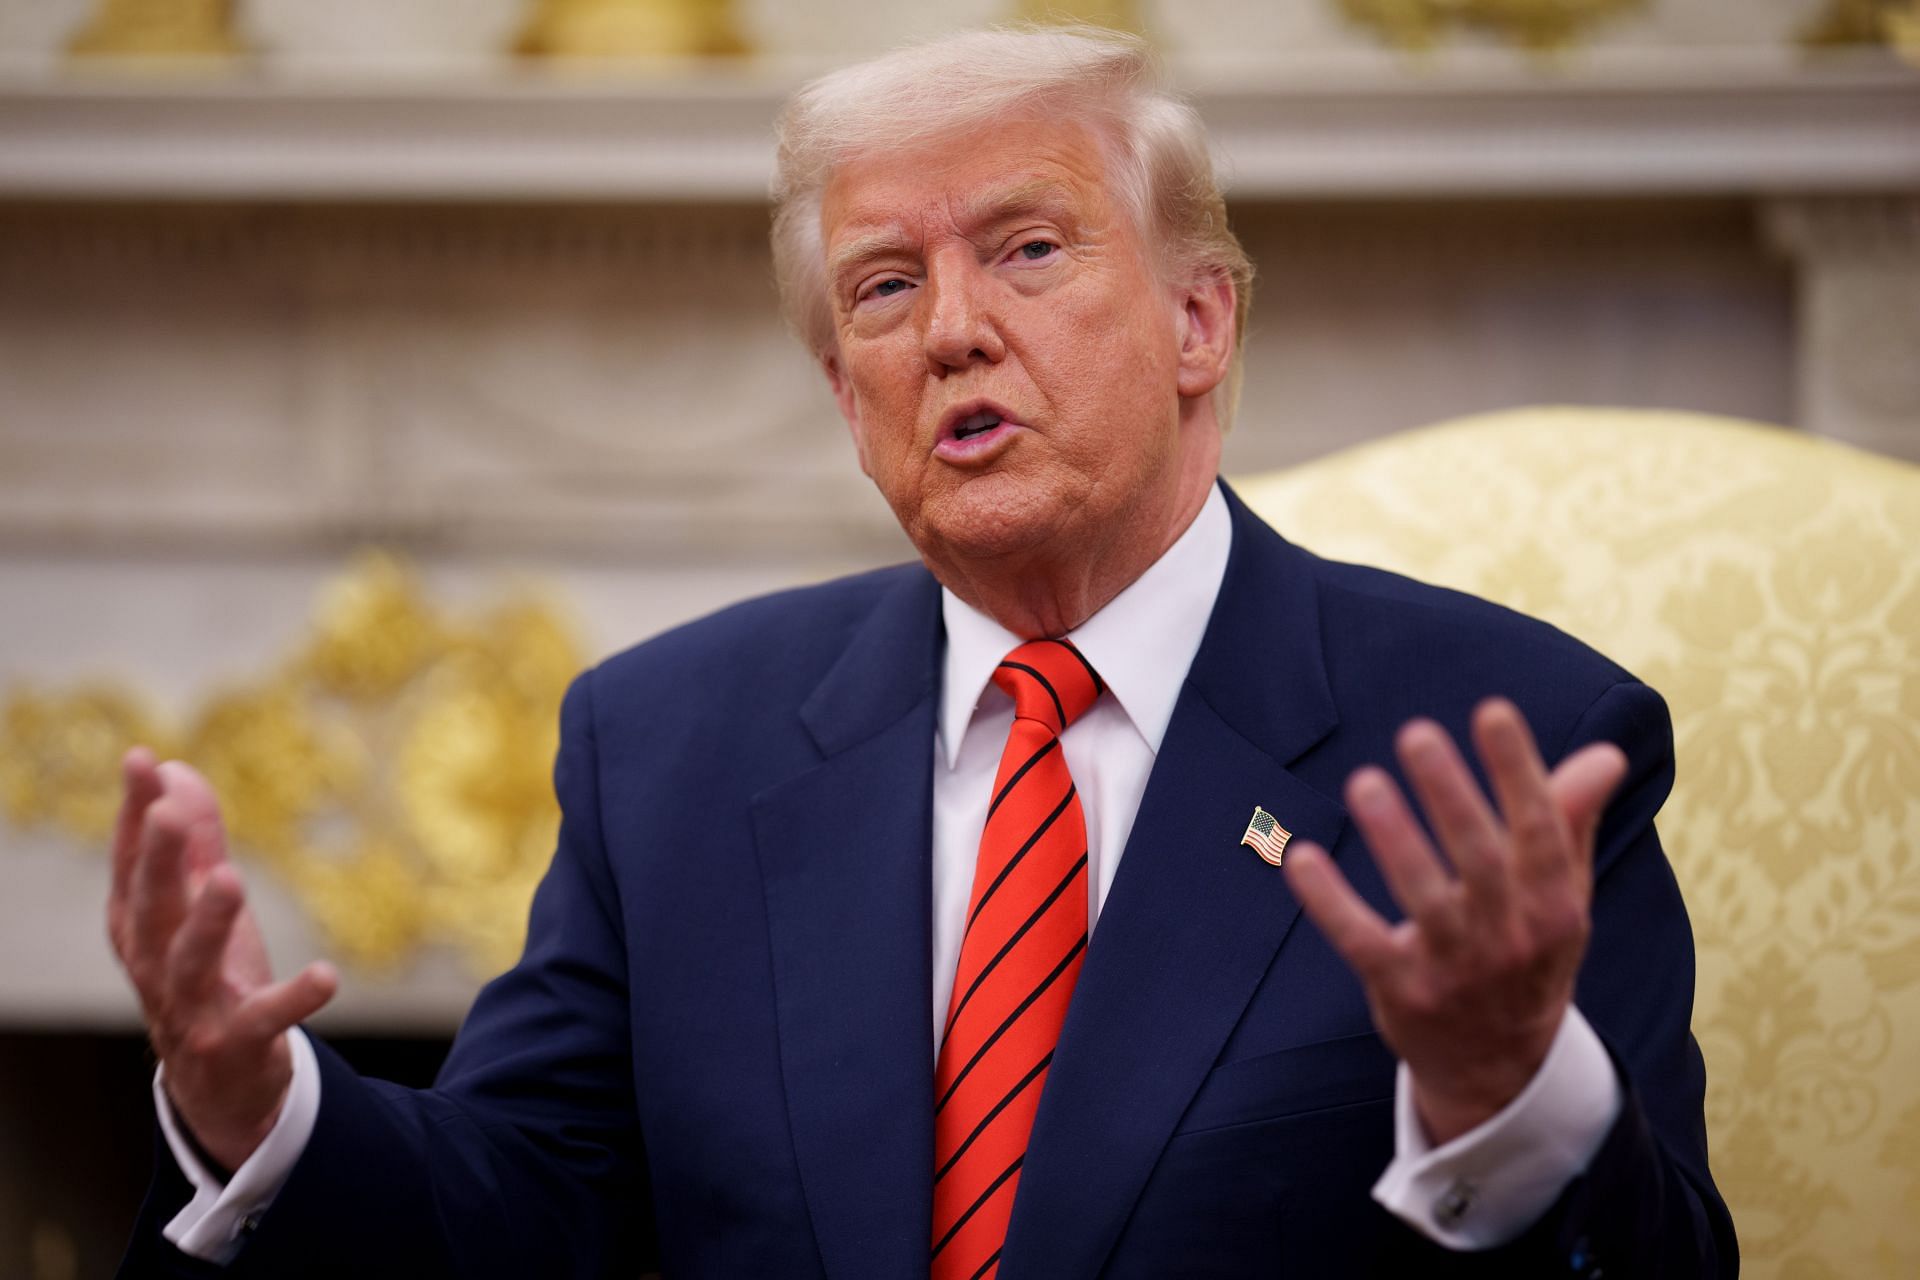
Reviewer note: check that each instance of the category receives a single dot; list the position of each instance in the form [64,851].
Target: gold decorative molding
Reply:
[1843,23]
[159,29]
[1532,24]
[392,773]
[1121,15]
[631,29]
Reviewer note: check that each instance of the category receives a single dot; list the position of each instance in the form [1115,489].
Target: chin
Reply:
[985,520]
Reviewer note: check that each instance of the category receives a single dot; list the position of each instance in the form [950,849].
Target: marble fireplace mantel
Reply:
[1679,126]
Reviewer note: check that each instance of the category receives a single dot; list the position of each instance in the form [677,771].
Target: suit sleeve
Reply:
[1645,1206]
[524,1158]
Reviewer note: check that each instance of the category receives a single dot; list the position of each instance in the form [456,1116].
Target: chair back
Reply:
[1768,584]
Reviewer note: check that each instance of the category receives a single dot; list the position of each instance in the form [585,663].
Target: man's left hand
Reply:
[1470,988]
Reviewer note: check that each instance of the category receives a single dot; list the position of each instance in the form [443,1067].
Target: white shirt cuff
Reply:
[216,1221]
[1487,1186]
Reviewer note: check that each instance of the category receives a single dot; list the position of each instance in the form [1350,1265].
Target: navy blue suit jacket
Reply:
[720,1031]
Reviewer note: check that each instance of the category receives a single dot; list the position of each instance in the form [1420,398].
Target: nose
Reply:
[961,328]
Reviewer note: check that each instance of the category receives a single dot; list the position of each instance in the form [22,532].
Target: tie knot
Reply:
[1049,681]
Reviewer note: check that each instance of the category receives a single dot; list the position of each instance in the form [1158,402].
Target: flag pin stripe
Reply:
[1265,836]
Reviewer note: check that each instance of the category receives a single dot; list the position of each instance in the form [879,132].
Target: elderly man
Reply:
[950,916]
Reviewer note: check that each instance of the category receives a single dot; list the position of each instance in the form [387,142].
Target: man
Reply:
[1041,1005]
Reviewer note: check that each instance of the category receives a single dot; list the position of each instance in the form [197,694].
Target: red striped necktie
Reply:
[1025,937]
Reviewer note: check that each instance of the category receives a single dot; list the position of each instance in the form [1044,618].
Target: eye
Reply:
[1035,250]
[887,288]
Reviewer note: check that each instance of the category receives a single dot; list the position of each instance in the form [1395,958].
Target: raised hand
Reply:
[179,922]
[1470,987]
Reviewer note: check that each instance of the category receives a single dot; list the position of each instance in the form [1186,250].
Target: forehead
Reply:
[1013,165]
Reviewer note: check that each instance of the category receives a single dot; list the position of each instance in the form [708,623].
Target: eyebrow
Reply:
[1034,196]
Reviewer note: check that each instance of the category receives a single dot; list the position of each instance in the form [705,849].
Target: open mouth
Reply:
[973,434]
[976,424]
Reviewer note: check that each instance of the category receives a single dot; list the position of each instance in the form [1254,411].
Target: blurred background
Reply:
[368,367]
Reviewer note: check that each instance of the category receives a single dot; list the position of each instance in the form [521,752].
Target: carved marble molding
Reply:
[1660,126]
[1858,262]
[1685,238]
[369,248]
[349,246]
[603,381]
[612,381]
[1856,227]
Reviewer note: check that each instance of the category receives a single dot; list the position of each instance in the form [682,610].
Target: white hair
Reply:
[1158,158]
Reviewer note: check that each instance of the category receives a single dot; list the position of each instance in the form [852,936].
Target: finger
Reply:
[271,1010]
[1542,849]
[140,785]
[1582,785]
[1418,882]
[200,807]
[194,955]
[1453,802]
[159,899]
[1357,932]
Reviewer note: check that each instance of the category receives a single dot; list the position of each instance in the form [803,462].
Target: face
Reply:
[1021,381]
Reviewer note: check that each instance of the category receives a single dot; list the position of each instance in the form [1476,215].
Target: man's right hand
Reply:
[179,922]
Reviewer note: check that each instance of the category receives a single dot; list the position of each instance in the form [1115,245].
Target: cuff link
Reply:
[1454,1205]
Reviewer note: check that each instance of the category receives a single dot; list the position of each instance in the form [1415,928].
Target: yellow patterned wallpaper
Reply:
[393,772]
[1769,585]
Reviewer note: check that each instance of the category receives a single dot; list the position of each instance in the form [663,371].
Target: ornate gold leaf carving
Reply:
[60,756]
[631,29]
[1532,24]
[1122,15]
[393,772]
[159,28]
[1894,23]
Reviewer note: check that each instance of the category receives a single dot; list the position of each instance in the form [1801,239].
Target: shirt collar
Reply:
[1141,643]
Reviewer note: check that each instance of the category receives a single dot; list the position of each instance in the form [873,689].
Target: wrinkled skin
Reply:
[1004,268]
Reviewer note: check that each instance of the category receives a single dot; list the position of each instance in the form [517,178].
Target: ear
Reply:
[1206,333]
[849,406]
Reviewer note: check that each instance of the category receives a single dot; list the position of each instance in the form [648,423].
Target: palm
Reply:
[1471,986]
[179,922]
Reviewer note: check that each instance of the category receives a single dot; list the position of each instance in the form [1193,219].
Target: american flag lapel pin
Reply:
[1265,836]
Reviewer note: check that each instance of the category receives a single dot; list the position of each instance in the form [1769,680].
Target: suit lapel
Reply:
[845,856]
[1192,921]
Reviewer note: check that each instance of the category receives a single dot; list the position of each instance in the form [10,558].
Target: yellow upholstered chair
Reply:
[1768,584]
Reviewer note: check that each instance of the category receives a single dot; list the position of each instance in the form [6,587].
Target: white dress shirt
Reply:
[1482,1189]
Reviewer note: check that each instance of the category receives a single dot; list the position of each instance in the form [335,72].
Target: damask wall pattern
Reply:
[1768,584]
